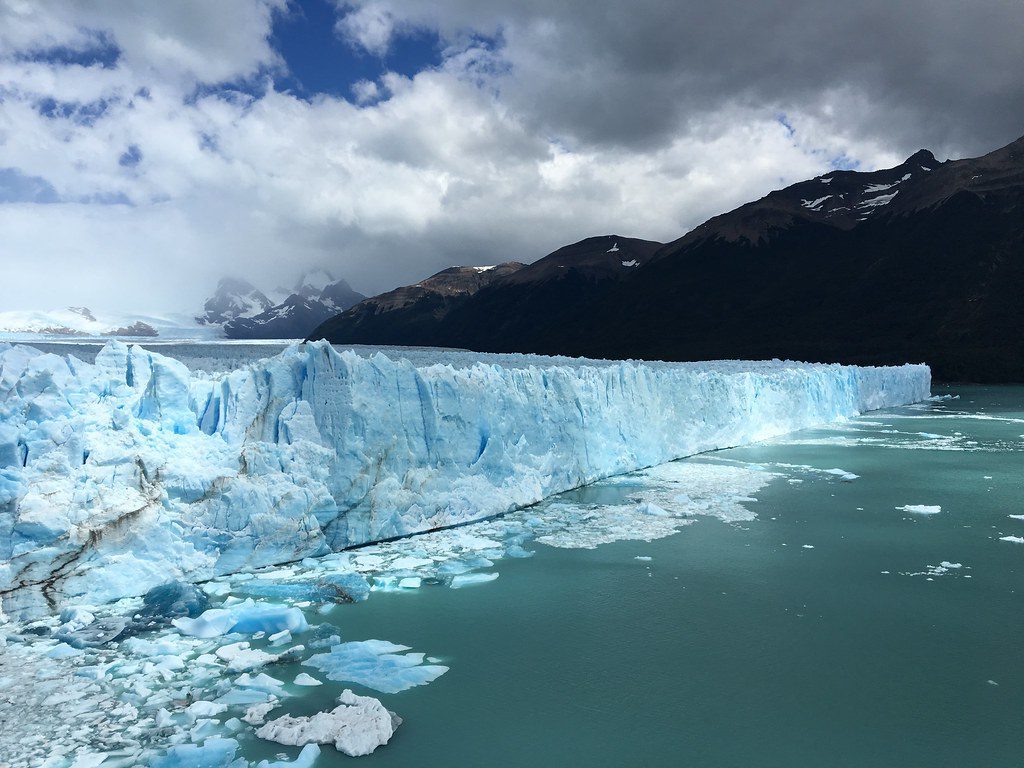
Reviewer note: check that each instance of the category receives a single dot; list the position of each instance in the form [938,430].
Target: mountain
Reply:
[233,298]
[396,316]
[81,322]
[920,262]
[512,298]
[315,297]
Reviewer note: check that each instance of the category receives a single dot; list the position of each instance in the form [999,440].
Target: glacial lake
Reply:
[833,630]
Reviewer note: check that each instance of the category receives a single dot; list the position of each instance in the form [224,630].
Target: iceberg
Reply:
[357,726]
[120,475]
[377,664]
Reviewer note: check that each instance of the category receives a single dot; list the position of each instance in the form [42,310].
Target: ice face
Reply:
[118,476]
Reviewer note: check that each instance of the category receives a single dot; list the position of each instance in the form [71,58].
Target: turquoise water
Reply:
[735,645]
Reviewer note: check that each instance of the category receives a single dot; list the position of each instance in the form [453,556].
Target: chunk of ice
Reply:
[357,726]
[376,664]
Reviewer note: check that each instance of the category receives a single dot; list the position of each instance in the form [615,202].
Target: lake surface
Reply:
[826,632]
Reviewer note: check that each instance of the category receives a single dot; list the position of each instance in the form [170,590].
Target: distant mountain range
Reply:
[921,262]
[82,322]
[247,313]
[237,310]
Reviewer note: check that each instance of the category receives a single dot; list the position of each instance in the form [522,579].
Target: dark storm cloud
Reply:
[941,72]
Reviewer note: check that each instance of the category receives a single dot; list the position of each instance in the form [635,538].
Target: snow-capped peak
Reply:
[313,282]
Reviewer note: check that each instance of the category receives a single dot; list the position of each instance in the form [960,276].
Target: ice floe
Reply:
[377,664]
[357,726]
[921,509]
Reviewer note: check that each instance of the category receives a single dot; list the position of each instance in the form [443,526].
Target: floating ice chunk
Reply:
[63,651]
[1016,517]
[920,509]
[376,664]
[280,638]
[94,635]
[643,558]
[654,510]
[356,727]
[842,474]
[212,753]
[303,679]
[238,697]
[333,588]
[247,617]
[942,569]
[211,623]
[203,709]
[306,758]
[410,563]
[1013,539]
[262,682]
[159,647]
[410,582]
[257,713]
[808,546]
[88,759]
[240,657]
[468,579]
[76,617]
[169,601]
[267,617]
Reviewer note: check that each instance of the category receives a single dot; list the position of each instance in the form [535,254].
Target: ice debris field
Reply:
[131,477]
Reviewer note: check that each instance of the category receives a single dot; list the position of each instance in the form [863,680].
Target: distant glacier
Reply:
[121,474]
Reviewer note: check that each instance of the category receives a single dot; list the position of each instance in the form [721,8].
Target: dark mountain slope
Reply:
[941,286]
[511,300]
[410,314]
[921,262]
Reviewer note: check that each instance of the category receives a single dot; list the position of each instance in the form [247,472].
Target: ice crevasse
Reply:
[123,474]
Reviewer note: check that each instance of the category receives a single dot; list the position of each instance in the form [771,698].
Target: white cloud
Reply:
[411,175]
[370,26]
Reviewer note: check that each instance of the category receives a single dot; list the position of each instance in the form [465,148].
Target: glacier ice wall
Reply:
[120,475]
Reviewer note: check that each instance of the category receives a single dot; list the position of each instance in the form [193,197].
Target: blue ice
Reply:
[376,664]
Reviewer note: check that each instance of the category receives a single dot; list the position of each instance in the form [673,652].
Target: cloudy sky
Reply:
[149,148]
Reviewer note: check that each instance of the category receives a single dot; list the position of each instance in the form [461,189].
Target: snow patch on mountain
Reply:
[814,205]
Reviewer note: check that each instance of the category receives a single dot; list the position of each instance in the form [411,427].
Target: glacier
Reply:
[122,474]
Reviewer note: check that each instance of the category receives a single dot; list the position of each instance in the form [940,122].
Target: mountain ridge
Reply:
[920,262]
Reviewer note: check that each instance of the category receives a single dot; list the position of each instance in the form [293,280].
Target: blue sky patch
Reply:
[319,61]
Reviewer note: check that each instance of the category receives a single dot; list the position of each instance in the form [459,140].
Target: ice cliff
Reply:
[120,475]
